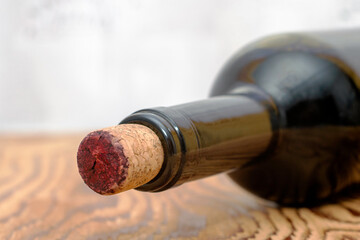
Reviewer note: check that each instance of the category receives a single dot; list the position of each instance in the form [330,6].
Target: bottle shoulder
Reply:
[307,79]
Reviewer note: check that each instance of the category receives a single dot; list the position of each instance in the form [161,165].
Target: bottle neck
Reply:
[206,137]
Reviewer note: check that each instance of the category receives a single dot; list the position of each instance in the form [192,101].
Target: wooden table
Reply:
[43,197]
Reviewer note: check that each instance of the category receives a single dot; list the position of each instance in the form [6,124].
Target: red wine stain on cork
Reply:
[102,164]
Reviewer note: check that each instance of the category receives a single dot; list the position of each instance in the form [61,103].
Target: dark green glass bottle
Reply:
[283,120]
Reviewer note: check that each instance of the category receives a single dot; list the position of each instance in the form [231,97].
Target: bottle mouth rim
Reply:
[165,123]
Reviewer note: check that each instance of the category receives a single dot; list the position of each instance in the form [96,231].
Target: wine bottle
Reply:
[282,120]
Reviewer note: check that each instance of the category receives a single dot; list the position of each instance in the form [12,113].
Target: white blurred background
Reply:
[76,65]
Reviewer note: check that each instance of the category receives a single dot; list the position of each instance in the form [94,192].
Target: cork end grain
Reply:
[119,158]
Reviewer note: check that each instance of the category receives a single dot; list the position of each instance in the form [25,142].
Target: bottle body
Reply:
[284,117]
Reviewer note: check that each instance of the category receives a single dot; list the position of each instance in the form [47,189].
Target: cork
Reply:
[119,158]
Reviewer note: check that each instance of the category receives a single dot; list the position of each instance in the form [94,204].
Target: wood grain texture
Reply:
[43,197]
